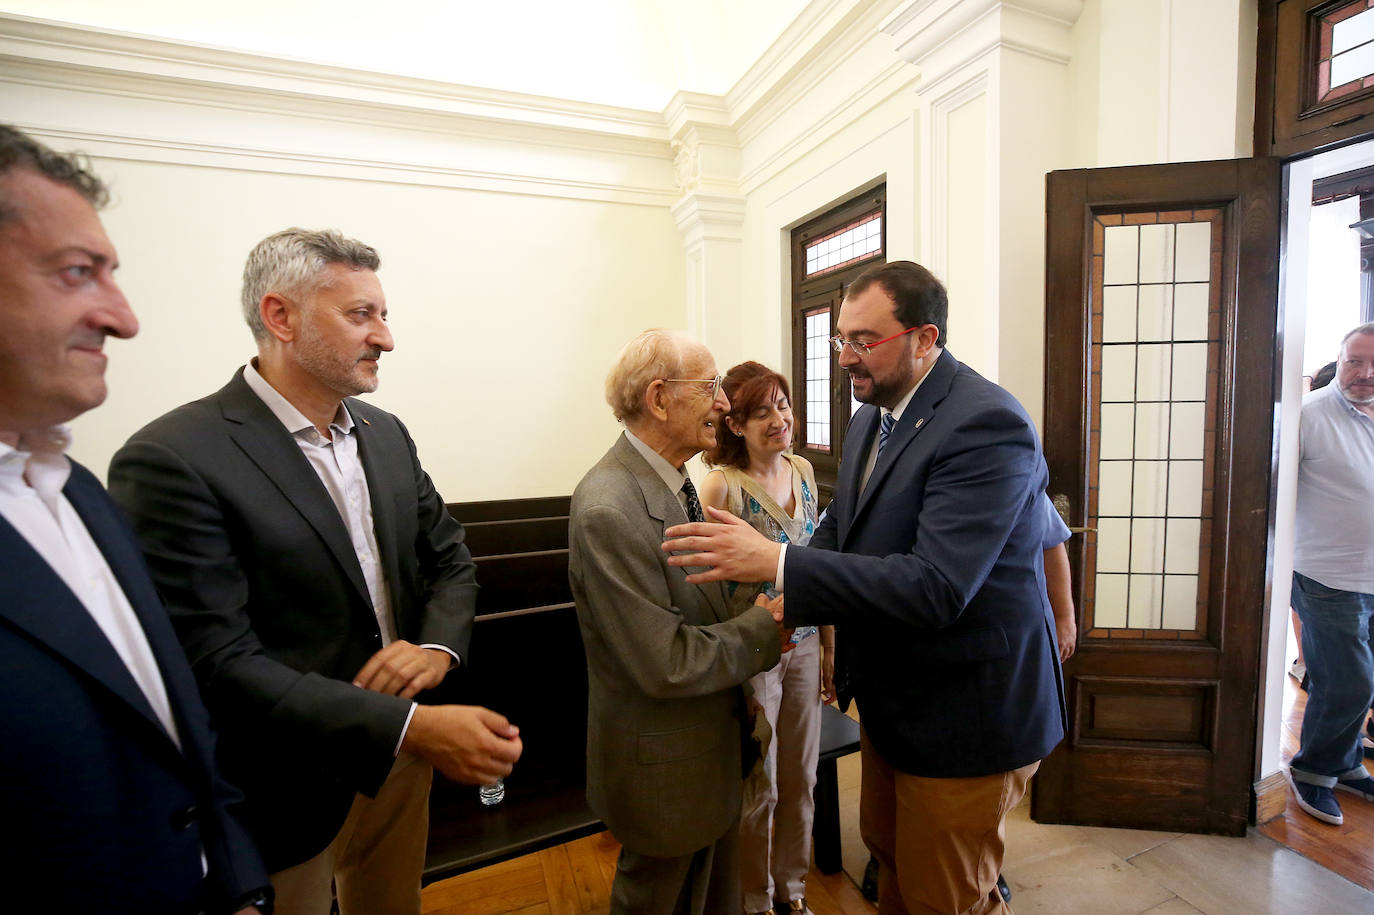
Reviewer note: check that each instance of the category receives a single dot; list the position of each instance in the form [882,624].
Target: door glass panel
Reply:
[1154,384]
[1118,314]
[1151,431]
[1152,372]
[1156,313]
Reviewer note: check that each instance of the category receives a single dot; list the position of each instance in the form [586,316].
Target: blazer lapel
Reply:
[858,439]
[38,601]
[266,442]
[663,506]
[917,415]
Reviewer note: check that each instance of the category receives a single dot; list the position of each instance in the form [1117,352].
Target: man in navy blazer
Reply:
[110,797]
[929,560]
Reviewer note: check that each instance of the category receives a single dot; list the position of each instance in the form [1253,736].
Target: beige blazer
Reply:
[664,666]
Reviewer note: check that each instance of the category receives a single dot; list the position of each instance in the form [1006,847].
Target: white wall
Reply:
[507,310]
[522,240]
[1162,81]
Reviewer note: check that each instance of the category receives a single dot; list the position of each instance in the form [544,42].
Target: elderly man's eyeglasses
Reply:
[713,382]
[863,349]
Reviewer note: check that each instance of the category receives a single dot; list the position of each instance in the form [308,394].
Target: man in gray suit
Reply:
[665,662]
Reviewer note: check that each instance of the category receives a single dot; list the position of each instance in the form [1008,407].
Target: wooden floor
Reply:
[575,878]
[1347,849]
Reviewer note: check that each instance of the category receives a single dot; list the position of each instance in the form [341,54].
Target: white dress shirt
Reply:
[336,462]
[672,477]
[31,479]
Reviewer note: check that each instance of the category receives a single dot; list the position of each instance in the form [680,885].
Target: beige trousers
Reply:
[376,860]
[778,802]
[939,841]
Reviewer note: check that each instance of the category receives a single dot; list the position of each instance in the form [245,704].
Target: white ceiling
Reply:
[632,53]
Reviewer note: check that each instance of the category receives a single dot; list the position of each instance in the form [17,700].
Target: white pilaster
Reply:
[994,119]
[710,211]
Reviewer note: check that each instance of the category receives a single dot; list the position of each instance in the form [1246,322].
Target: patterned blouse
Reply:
[746,498]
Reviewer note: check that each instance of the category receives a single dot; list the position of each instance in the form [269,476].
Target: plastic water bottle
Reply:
[493,794]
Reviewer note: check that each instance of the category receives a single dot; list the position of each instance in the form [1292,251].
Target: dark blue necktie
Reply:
[889,420]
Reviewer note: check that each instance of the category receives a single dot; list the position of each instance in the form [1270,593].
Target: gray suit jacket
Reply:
[664,666]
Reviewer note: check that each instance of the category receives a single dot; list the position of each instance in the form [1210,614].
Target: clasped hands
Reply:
[467,743]
[403,669]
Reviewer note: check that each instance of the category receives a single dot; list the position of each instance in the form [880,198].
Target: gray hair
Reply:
[291,261]
[651,355]
[19,150]
[1365,328]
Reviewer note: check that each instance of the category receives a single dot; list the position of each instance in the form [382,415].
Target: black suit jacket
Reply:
[101,810]
[946,636]
[265,590]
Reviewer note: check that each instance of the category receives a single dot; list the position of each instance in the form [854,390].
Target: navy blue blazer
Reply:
[102,812]
[934,576]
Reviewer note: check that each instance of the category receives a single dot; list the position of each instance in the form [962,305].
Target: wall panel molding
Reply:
[134,97]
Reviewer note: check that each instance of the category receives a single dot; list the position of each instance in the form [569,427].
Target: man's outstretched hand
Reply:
[731,549]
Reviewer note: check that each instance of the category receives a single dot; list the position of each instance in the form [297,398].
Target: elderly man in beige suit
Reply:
[665,661]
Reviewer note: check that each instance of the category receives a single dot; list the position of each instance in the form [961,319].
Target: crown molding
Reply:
[203,73]
[109,145]
[796,42]
[936,34]
[775,85]
[897,77]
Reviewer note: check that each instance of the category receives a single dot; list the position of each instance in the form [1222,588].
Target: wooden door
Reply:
[1161,379]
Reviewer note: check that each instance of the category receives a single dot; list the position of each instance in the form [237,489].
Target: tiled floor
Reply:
[1081,869]
[1062,870]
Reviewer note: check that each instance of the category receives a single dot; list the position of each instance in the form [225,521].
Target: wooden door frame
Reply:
[1249,379]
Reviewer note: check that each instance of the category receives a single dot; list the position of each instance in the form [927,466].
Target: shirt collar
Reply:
[898,410]
[40,459]
[294,420]
[1340,398]
[672,477]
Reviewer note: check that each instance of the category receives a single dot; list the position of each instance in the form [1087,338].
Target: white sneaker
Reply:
[1298,670]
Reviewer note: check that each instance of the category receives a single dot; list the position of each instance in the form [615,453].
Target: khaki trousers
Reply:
[376,860]
[779,802]
[939,841]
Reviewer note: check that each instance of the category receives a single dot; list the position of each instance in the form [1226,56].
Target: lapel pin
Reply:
[366,423]
[913,428]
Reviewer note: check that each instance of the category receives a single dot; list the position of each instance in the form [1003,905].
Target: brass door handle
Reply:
[1082,530]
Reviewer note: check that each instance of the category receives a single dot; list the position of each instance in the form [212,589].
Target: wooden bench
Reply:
[839,737]
[526,662]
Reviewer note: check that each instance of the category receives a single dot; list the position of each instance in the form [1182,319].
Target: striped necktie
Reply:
[693,503]
[889,420]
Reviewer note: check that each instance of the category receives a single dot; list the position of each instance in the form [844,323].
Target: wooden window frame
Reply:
[1290,121]
[827,290]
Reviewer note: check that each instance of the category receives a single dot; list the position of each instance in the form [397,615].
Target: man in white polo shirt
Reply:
[1333,579]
